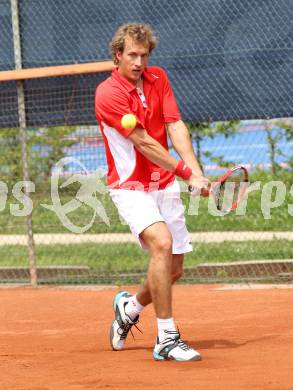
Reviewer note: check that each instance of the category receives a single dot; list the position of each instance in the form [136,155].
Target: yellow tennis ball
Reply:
[128,121]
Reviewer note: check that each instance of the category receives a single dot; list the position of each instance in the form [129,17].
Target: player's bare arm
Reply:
[155,152]
[152,149]
[181,142]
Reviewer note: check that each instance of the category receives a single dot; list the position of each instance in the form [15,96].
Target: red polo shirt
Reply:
[115,97]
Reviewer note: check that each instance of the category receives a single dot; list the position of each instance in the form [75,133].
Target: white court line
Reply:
[248,286]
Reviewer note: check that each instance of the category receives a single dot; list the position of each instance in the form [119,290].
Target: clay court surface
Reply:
[57,338]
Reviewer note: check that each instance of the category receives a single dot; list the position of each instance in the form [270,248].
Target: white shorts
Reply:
[141,209]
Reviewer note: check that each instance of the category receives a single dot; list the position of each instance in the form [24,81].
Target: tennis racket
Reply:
[229,189]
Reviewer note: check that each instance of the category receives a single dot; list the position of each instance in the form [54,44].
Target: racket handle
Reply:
[192,188]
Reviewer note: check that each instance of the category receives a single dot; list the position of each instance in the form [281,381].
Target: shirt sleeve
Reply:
[170,108]
[110,107]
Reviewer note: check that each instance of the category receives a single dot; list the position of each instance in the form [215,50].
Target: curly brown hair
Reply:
[142,33]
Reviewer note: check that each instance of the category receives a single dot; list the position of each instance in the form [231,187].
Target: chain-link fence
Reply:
[226,60]
[80,238]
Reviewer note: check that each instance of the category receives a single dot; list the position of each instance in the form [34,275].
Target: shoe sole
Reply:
[111,336]
[158,357]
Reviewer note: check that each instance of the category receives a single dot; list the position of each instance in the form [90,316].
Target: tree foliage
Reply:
[45,147]
[277,131]
[10,156]
[199,131]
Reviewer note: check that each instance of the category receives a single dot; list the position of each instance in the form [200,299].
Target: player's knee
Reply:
[163,245]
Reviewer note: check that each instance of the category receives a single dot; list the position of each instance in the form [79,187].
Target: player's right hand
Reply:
[199,185]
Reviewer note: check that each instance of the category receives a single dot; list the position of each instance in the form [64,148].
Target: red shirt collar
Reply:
[147,75]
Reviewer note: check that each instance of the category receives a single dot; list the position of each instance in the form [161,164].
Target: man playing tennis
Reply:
[142,181]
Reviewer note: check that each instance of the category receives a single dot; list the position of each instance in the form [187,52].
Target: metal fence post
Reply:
[23,137]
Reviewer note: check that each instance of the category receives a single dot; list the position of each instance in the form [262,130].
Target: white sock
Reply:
[133,308]
[165,324]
